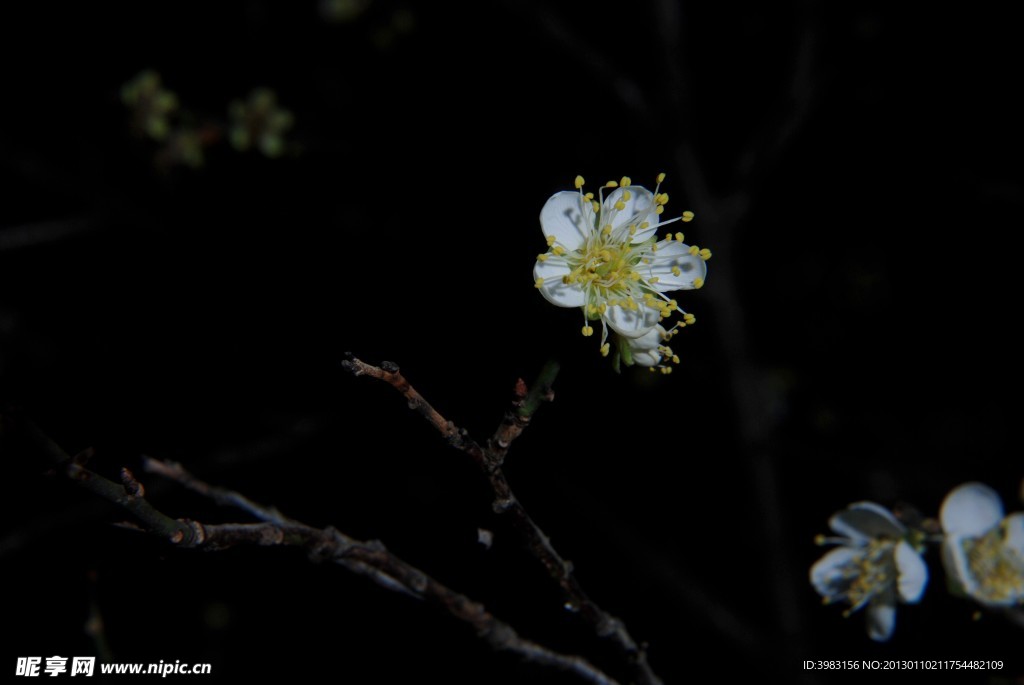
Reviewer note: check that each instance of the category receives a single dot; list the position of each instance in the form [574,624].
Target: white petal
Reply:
[673,254]
[568,217]
[646,358]
[636,210]
[954,561]
[828,573]
[881,618]
[632,324]
[971,509]
[644,349]
[650,340]
[553,290]
[913,572]
[863,521]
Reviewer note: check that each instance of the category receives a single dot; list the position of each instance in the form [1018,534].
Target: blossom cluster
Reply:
[878,561]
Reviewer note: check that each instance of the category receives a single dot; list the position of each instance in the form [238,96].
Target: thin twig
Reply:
[227,498]
[370,559]
[489,460]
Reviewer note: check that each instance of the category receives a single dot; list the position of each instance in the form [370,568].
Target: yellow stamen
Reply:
[661,177]
[705,254]
[538,283]
[579,182]
[605,349]
[687,216]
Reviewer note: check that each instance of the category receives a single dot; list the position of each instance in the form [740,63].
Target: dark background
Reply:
[854,167]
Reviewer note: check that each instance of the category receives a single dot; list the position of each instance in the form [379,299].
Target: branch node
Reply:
[77,472]
[390,367]
[131,485]
[351,367]
[196,537]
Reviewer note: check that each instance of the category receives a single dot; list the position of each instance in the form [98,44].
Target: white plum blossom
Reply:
[982,550]
[604,257]
[873,567]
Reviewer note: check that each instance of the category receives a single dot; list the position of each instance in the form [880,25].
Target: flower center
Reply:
[998,569]
[869,573]
[605,267]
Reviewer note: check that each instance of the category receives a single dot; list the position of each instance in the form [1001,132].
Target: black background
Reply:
[854,167]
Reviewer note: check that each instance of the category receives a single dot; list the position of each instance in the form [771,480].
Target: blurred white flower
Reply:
[873,567]
[983,551]
[605,258]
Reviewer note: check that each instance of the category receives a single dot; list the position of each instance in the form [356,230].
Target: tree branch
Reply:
[370,559]
[489,459]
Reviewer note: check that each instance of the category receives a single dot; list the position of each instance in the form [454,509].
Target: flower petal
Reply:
[971,509]
[671,257]
[913,572]
[881,617]
[647,358]
[636,210]
[863,521]
[553,289]
[568,217]
[829,574]
[629,323]
[954,561]
[650,340]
